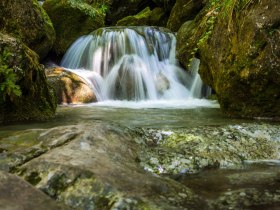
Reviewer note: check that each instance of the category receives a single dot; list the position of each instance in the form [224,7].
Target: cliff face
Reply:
[240,55]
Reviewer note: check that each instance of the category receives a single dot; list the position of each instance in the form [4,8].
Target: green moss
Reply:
[24,91]
[72,19]
[142,18]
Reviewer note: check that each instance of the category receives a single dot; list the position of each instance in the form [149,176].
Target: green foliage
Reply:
[8,78]
[104,8]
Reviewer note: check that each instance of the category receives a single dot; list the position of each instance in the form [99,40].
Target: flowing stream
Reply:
[138,83]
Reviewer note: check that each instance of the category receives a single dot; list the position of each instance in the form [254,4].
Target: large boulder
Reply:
[183,11]
[24,93]
[27,21]
[69,87]
[96,166]
[240,55]
[72,19]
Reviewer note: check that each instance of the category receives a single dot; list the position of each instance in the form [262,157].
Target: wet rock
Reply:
[101,165]
[25,94]
[248,199]
[69,87]
[17,194]
[27,21]
[191,150]
[97,167]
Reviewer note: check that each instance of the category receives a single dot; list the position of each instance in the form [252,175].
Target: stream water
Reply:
[160,97]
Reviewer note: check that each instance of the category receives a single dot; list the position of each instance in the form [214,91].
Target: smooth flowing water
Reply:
[135,63]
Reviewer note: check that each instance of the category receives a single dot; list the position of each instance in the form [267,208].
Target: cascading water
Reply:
[135,63]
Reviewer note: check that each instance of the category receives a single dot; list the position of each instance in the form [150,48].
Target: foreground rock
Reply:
[24,94]
[27,21]
[239,55]
[106,166]
[98,168]
[69,87]
[17,194]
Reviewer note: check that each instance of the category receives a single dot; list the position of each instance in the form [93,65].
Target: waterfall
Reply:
[134,63]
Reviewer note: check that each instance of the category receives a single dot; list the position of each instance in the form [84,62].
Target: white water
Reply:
[133,64]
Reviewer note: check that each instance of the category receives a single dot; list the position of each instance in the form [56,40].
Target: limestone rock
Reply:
[27,21]
[24,93]
[70,88]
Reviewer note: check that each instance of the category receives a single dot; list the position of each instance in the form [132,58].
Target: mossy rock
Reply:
[72,19]
[24,93]
[155,17]
[183,11]
[239,50]
[119,9]
[27,21]
[167,5]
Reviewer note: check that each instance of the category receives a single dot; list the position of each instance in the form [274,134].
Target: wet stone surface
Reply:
[108,166]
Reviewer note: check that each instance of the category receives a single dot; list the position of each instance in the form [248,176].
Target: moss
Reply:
[72,19]
[142,18]
[36,100]
[28,22]
[237,57]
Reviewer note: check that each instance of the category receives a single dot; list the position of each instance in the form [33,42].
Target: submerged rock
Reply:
[17,194]
[27,21]
[239,55]
[24,93]
[72,19]
[69,87]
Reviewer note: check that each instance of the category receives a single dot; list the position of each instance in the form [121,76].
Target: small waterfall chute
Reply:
[135,63]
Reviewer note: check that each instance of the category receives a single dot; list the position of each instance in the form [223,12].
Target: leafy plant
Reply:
[8,78]
[215,8]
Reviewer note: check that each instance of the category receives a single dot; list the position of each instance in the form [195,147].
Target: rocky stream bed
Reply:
[102,165]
